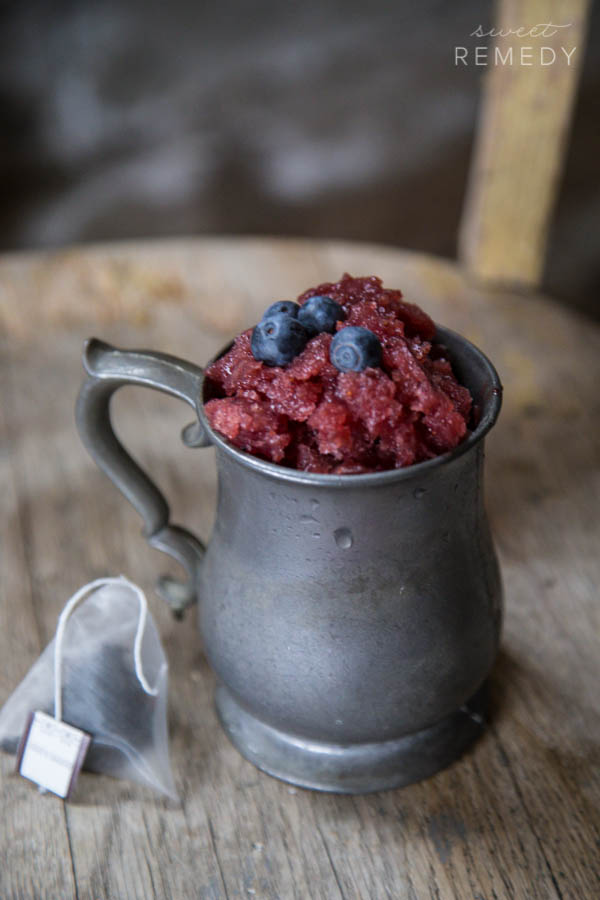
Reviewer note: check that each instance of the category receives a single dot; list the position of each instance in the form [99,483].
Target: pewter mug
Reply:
[351,620]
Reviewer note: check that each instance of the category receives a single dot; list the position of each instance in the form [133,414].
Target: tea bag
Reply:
[105,672]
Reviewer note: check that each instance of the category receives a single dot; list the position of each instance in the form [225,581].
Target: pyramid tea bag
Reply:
[105,672]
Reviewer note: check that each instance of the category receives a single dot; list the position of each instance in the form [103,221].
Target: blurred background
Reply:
[126,119]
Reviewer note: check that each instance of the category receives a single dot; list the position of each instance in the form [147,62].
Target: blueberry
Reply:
[277,340]
[354,348]
[320,314]
[282,308]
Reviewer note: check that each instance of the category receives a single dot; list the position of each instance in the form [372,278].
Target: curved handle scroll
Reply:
[109,369]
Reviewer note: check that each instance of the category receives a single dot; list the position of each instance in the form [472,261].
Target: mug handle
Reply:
[109,369]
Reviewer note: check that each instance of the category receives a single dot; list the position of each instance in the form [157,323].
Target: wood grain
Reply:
[521,139]
[517,817]
[33,862]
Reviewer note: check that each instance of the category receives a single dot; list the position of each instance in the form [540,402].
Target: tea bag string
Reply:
[77,597]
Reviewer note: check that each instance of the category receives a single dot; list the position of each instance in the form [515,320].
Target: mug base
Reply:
[351,768]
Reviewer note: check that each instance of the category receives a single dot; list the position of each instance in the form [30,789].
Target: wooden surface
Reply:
[522,136]
[517,816]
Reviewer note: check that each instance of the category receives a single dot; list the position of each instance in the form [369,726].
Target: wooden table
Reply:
[517,816]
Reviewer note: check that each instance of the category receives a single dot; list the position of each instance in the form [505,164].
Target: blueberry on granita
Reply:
[354,349]
[320,314]
[277,340]
[282,308]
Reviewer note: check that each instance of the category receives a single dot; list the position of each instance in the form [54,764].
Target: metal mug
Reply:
[351,620]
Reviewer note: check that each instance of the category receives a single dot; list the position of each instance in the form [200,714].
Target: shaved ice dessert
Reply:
[347,380]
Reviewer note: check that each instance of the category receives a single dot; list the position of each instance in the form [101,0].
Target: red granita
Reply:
[309,415]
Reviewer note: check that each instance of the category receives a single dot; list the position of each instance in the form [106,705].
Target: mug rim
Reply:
[491,409]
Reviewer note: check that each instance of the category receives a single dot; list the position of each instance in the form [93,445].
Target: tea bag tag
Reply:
[52,754]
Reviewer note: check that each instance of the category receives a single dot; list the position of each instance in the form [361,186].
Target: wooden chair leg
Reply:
[520,145]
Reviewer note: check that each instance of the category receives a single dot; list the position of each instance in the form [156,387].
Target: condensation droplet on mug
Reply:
[418,493]
[343,538]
